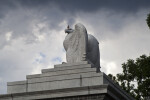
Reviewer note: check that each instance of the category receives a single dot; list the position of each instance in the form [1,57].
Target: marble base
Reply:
[66,81]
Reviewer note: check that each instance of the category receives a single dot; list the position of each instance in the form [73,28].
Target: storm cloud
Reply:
[32,32]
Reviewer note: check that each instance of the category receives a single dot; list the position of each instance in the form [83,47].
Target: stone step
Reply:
[71,64]
[66,67]
[16,83]
[62,77]
[16,87]
[69,71]
[69,81]
[63,72]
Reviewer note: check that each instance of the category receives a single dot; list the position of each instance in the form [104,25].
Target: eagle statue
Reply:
[81,46]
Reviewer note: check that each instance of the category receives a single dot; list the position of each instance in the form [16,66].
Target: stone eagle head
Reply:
[68,30]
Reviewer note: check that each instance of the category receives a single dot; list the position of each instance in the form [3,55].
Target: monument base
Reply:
[66,82]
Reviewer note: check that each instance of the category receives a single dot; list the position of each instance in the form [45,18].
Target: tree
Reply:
[148,20]
[135,78]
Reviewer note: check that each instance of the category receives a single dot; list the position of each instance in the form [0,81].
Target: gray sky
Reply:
[32,32]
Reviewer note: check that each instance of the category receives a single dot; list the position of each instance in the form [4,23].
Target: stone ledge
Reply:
[62,72]
[68,92]
[66,83]
[62,67]
[78,91]
[74,66]
[33,76]
[64,77]
[71,64]
[115,86]
[70,71]
[16,83]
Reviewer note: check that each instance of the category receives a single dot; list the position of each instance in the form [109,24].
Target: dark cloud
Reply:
[56,11]
[5,6]
[74,6]
[90,5]
[20,17]
[93,5]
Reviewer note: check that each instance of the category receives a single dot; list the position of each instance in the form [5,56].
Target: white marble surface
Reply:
[81,46]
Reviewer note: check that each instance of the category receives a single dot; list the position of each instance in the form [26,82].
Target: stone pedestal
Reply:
[76,81]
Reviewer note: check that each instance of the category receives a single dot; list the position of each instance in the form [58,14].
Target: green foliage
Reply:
[148,20]
[135,78]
